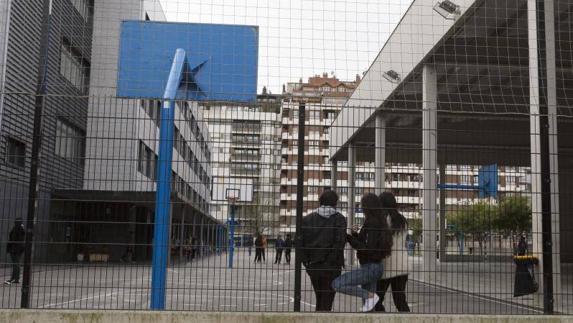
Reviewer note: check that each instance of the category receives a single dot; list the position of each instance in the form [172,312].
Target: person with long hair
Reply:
[373,244]
[396,267]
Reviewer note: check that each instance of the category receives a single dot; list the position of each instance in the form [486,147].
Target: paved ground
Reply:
[208,285]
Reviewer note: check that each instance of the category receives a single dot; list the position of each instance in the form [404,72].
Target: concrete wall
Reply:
[20,316]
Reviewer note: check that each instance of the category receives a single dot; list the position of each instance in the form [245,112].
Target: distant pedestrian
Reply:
[322,248]
[373,244]
[397,265]
[288,248]
[258,248]
[15,248]
[522,246]
[279,247]
[265,245]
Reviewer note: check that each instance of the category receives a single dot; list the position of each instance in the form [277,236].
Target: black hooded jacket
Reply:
[323,239]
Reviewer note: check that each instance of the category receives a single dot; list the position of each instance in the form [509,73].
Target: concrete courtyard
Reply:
[208,285]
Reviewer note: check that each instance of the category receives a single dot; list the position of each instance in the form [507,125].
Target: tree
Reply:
[514,215]
[476,220]
[416,226]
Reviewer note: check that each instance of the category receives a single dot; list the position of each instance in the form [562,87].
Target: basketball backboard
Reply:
[221,60]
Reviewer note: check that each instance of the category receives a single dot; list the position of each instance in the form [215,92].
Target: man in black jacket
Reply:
[323,240]
[15,248]
[288,247]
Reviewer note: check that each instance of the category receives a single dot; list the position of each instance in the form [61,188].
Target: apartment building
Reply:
[246,161]
[322,96]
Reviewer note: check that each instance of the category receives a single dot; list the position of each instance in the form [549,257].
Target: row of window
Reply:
[246,139]
[185,151]
[146,161]
[73,66]
[153,109]
[70,142]
[314,115]
[194,126]
[179,185]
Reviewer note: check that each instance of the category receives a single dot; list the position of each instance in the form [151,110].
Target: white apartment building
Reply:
[246,160]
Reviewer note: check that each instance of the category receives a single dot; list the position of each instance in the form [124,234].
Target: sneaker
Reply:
[370,303]
[7,282]
[15,282]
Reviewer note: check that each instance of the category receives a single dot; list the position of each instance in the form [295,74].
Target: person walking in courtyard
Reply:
[258,248]
[397,265]
[373,244]
[279,247]
[288,248]
[323,239]
[264,250]
[15,249]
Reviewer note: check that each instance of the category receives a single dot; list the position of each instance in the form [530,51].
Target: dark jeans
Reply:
[278,257]
[398,285]
[15,266]
[287,256]
[258,254]
[321,280]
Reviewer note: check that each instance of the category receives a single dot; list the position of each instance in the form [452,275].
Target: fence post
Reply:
[299,207]
[33,184]
[543,102]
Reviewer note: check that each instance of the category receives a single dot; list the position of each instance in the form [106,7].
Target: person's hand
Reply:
[355,228]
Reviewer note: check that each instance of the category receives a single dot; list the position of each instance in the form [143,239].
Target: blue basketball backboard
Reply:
[221,60]
[488,181]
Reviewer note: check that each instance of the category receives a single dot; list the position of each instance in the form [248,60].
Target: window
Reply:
[147,161]
[69,141]
[82,7]
[15,152]
[152,109]
[314,115]
[73,67]
[465,180]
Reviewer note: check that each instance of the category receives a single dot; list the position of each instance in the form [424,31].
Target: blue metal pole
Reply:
[232,236]
[163,194]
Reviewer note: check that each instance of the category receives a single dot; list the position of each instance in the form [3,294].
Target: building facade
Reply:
[98,152]
[63,63]
[246,162]
[322,96]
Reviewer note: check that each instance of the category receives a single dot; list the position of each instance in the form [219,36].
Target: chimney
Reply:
[325,75]
[357,78]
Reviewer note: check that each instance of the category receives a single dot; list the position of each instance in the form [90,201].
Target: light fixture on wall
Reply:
[392,76]
[447,9]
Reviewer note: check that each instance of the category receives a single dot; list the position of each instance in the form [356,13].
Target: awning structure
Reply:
[482,70]
[472,83]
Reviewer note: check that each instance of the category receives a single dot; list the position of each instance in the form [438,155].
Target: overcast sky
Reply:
[300,38]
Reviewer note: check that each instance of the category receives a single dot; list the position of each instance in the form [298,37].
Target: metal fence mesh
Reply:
[459,108]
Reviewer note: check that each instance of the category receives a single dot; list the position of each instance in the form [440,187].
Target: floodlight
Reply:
[447,9]
[392,76]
